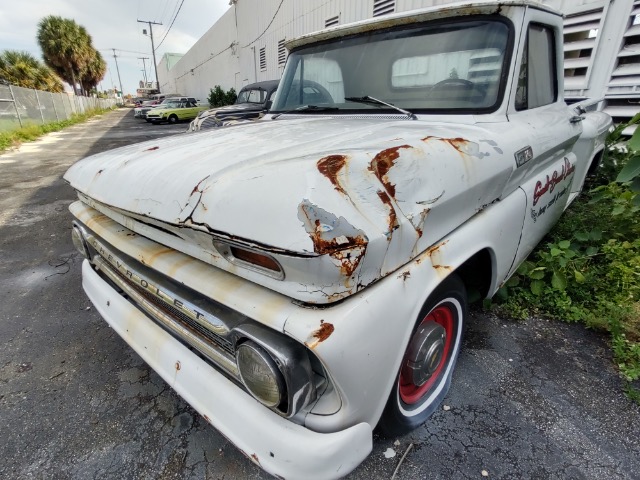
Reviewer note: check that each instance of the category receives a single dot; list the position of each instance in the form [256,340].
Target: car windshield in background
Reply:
[458,66]
[251,96]
[169,105]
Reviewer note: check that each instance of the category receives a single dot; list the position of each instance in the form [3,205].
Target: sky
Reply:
[112,24]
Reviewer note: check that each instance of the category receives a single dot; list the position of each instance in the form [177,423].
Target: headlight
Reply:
[260,374]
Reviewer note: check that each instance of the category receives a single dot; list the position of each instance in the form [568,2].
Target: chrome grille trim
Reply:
[220,357]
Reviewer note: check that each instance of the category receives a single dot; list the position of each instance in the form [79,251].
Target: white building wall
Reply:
[213,60]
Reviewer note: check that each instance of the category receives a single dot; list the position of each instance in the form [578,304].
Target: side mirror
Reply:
[267,105]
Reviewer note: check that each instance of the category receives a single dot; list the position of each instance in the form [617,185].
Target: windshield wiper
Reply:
[375,101]
[306,108]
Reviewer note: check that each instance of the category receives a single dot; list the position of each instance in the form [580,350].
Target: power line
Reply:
[265,30]
[207,60]
[169,29]
[127,51]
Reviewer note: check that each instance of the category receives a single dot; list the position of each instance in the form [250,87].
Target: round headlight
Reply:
[260,374]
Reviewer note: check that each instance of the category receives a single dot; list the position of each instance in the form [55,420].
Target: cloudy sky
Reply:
[112,24]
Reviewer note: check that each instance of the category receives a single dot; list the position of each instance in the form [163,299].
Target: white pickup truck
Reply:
[303,279]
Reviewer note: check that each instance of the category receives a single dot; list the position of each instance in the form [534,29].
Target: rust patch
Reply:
[404,276]
[152,258]
[382,163]
[442,267]
[349,260]
[460,144]
[207,418]
[323,246]
[393,218]
[328,232]
[178,366]
[255,458]
[330,167]
[430,251]
[152,148]
[324,332]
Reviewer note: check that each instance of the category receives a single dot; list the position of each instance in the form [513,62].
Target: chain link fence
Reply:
[22,106]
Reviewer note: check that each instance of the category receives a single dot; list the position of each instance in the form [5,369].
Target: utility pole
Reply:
[115,57]
[153,48]
[144,65]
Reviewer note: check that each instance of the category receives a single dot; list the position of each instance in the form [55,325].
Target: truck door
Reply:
[545,163]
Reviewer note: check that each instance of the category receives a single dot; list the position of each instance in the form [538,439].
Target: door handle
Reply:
[576,119]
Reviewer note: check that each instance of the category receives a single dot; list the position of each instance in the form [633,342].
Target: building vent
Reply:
[383,7]
[622,95]
[581,31]
[263,58]
[330,22]
[625,78]
[282,53]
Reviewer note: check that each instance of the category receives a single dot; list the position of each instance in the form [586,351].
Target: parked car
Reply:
[252,103]
[174,111]
[142,111]
[304,279]
[144,107]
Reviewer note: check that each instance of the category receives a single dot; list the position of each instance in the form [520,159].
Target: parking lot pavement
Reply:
[534,399]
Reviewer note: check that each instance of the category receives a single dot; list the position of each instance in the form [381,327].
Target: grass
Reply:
[32,131]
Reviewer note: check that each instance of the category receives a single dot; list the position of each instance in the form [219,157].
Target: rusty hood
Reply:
[309,185]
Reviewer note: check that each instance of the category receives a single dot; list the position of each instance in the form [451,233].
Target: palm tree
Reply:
[24,70]
[93,72]
[66,47]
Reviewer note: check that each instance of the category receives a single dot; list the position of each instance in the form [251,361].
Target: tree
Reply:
[66,47]
[93,72]
[24,70]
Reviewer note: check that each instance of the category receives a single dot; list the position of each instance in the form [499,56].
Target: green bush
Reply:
[219,98]
[587,269]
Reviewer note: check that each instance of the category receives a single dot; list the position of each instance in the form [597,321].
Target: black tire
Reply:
[411,403]
[173,118]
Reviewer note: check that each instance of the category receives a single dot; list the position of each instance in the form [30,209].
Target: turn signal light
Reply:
[258,259]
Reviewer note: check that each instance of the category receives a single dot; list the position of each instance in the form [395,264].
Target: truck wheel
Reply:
[173,119]
[428,363]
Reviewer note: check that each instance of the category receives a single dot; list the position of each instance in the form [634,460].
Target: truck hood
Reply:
[308,185]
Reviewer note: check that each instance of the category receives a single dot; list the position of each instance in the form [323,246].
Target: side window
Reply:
[537,80]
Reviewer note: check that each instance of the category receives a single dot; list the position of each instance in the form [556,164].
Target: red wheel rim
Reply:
[411,393]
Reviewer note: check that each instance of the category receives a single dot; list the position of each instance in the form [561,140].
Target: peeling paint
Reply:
[382,163]
[178,366]
[404,276]
[255,458]
[328,232]
[393,218]
[330,167]
[461,145]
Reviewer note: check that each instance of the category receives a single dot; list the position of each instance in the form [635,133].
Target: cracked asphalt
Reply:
[535,399]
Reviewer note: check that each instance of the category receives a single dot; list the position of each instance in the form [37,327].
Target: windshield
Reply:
[169,105]
[251,96]
[457,66]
